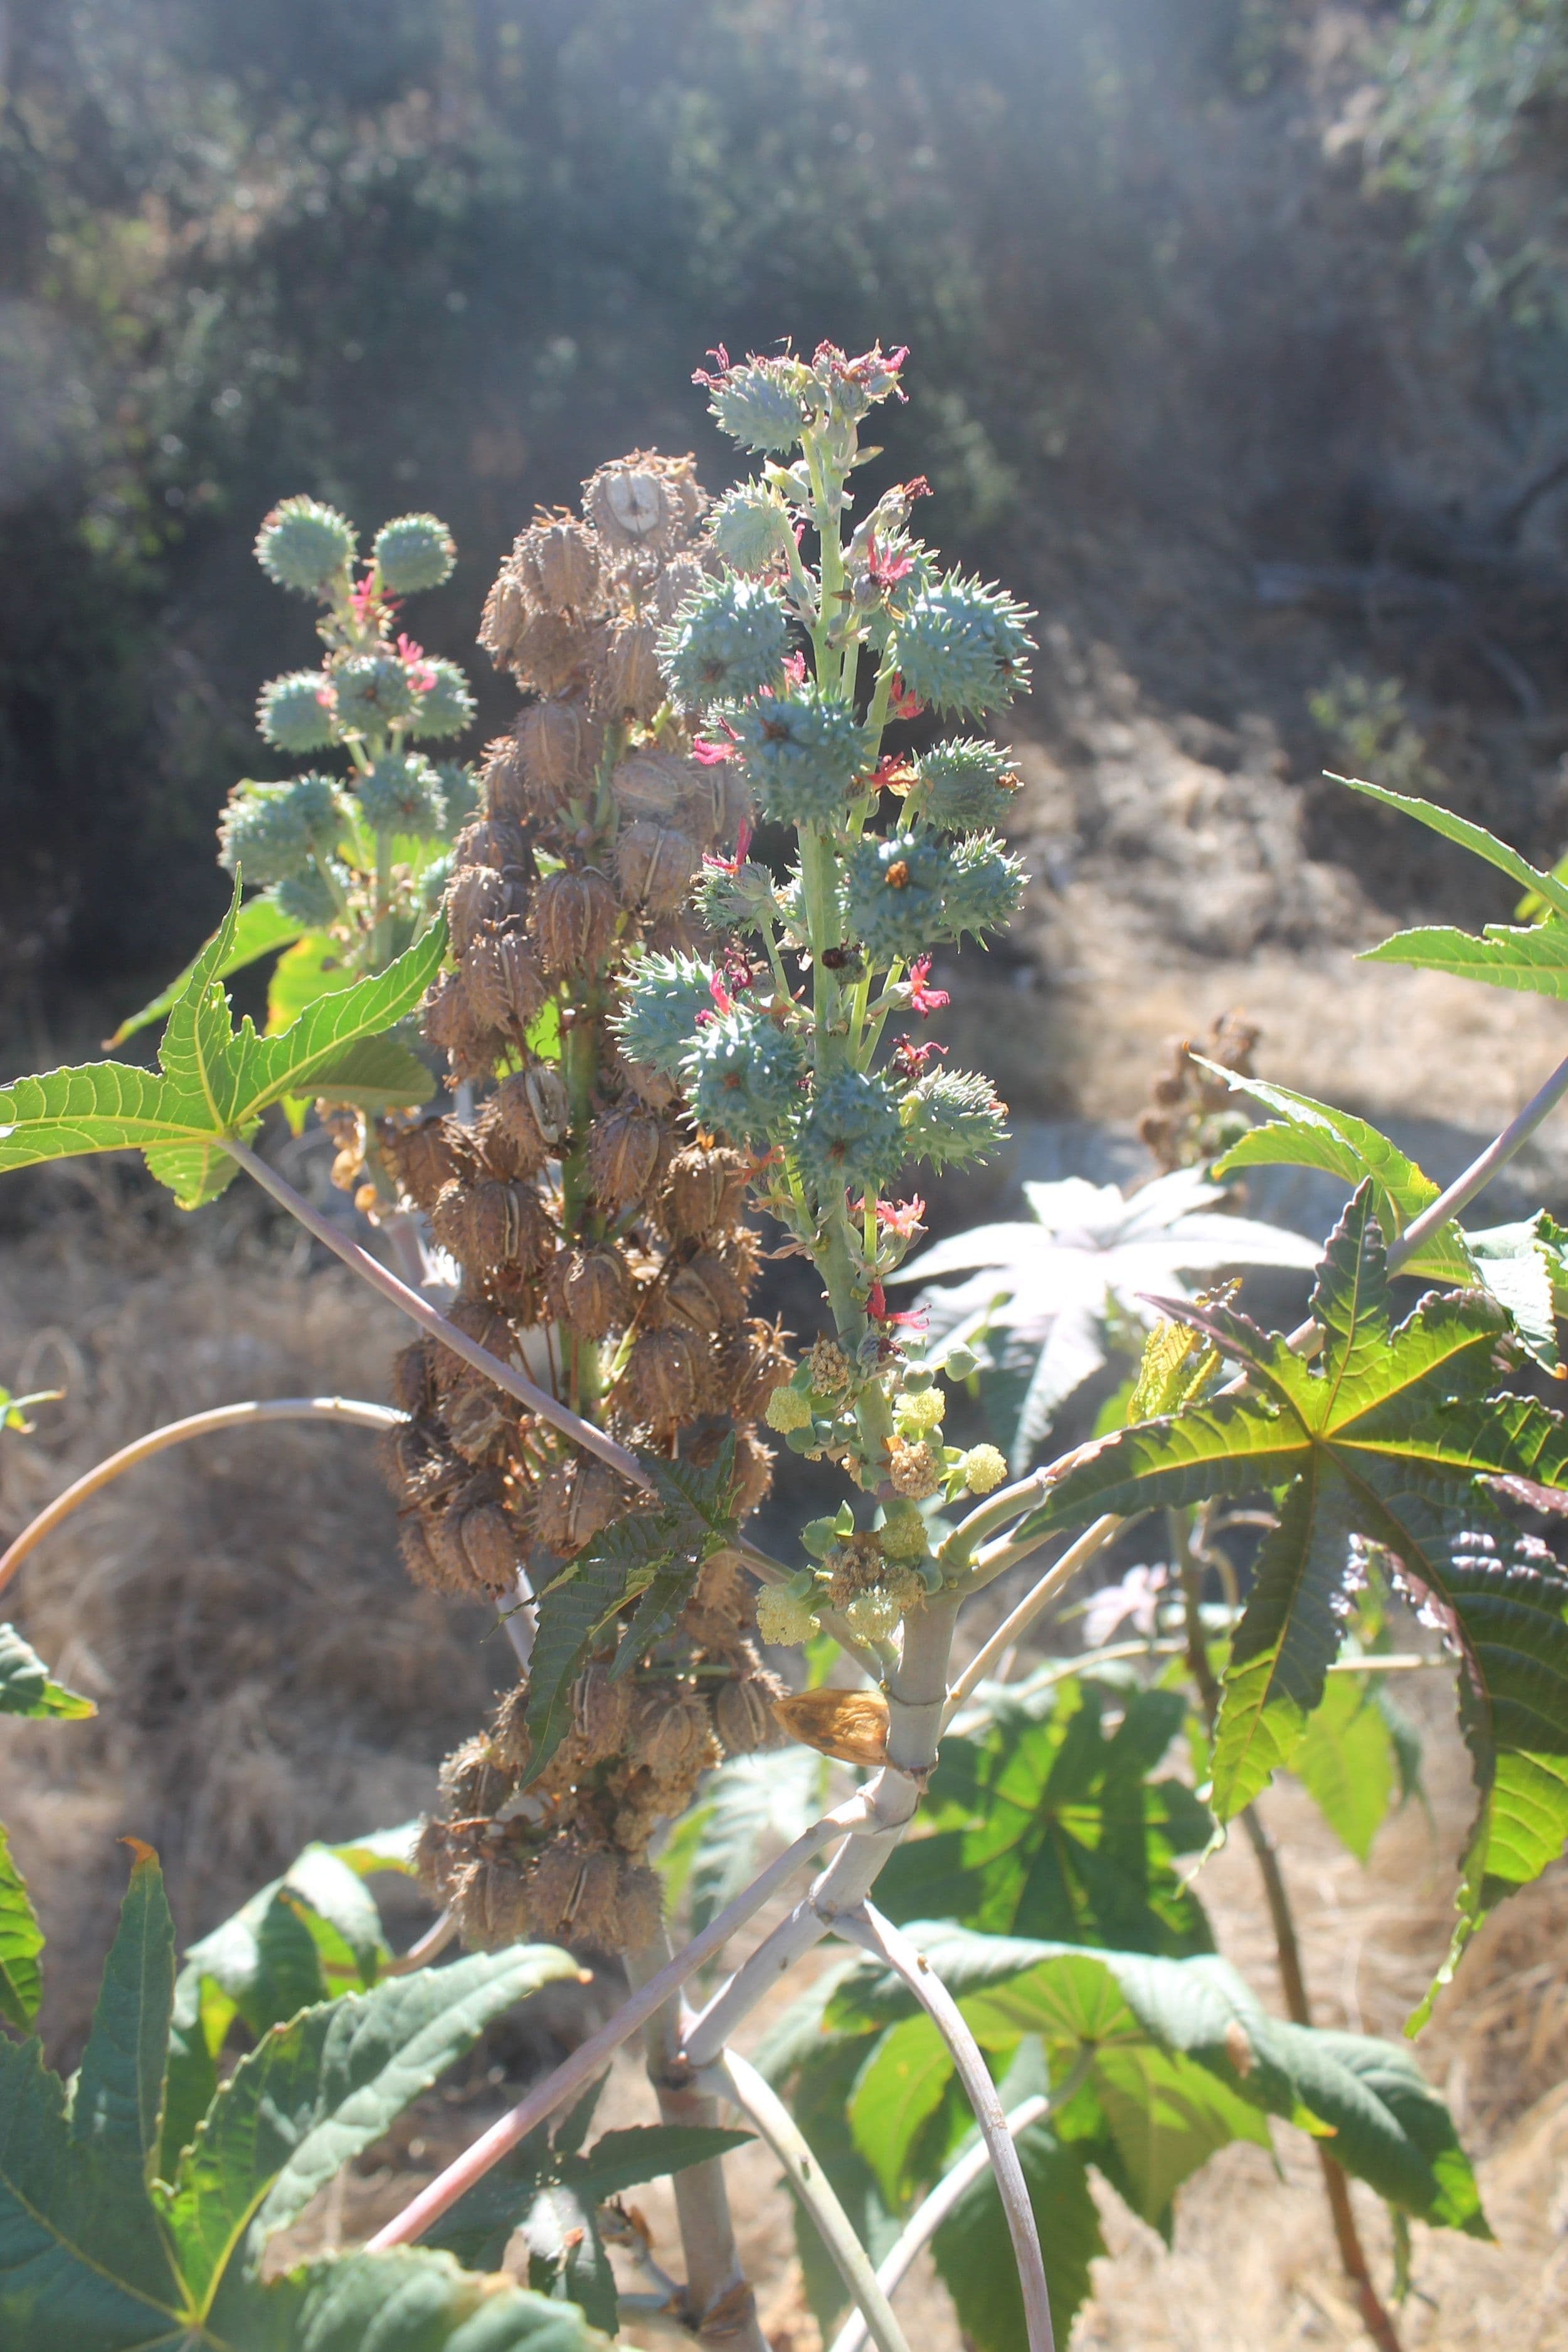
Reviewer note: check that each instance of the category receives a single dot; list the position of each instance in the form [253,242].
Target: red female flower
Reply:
[923,1000]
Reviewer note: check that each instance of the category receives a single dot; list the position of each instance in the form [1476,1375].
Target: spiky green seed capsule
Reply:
[402,793]
[762,405]
[907,893]
[304,545]
[459,795]
[308,898]
[727,642]
[963,646]
[964,786]
[952,1117]
[745,1075]
[295,712]
[374,693]
[801,752]
[661,996]
[750,528]
[850,1136]
[414,551]
[445,707]
[267,832]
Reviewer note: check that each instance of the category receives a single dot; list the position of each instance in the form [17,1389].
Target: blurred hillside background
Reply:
[1240,335]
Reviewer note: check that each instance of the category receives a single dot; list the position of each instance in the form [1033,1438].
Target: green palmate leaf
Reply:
[407,2301]
[1045,1822]
[82,2258]
[974,2250]
[1385,1438]
[377,1075]
[215,1082]
[260,929]
[21,1941]
[26,1687]
[1308,1134]
[1347,1761]
[1532,960]
[316,2091]
[313,966]
[1473,837]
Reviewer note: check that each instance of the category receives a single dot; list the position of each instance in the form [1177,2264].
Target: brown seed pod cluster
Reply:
[595,1239]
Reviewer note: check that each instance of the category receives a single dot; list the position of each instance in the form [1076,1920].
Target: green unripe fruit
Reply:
[727,642]
[304,545]
[913,889]
[267,832]
[402,793]
[963,786]
[750,528]
[745,1075]
[763,404]
[307,898]
[952,1116]
[432,883]
[802,752]
[459,795]
[374,693]
[850,1136]
[414,551]
[661,996]
[963,646]
[295,712]
[445,707]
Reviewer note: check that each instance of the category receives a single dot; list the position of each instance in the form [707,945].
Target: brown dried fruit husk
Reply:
[479,1420]
[601,1714]
[575,1497]
[667,787]
[505,615]
[531,1112]
[412,1389]
[625,1150]
[556,653]
[492,1225]
[719,1612]
[751,1362]
[425,1154]
[477,898]
[679,578]
[473,1780]
[664,1375]
[656,866]
[849,1725]
[590,1289]
[702,1191]
[502,780]
[494,841]
[753,1472]
[491,1901]
[452,1026]
[743,1713]
[504,979]
[478,1321]
[556,563]
[574,918]
[631,685]
[703,1293]
[476,1546]
[643,504]
[559,742]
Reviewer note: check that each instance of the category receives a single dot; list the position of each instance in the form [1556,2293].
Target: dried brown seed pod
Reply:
[574,918]
[719,1613]
[425,1155]
[412,1389]
[625,1149]
[702,1192]
[490,1225]
[643,504]
[418,1558]
[572,1893]
[656,866]
[421,1469]
[492,1902]
[559,742]
[639,1900]
[703,1294]
[753,1472]
[555,652]
[590,1289]
[474,1782]
[676,934]
[631,684]
[849,1725]
[669,1729]
[664,1376]
[531,1114]
[476,1546]
[743,1713]
[651,1087]
[507,613]
[477,897]
[556,561]
[478,1321]
[479,1420]
[503,781]
[667,787]
[510,1738]
[504,979]
[576,1496]
[601,1714]
[453,1029]
[751,1364]
[494,841]
[681,578]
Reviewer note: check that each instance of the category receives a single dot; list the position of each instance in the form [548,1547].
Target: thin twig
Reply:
[1039,1597]
[591,2057]
[933,2211]
[409,1302]
[879,1936]
[761,2105]
[175,1432]
[430,1947]
[1481,1171]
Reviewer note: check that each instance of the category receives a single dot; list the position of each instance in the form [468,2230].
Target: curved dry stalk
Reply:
[1039,1597]
[877,1936]
[430,1947]
[591,2057]
[761,2105]
[933,2211]
[1481,1169]
[175,1432]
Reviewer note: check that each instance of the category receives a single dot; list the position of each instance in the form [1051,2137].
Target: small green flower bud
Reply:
[445,707]
[984,1467]
[961,1363]
[801,752]
[786,1410]
[751,528]
[414,551]
[782,1620]
[850,1136]
[728,641]
[402,793]
[295,712]
[662,997]
[963,646]
[303,545]
[903,1533]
